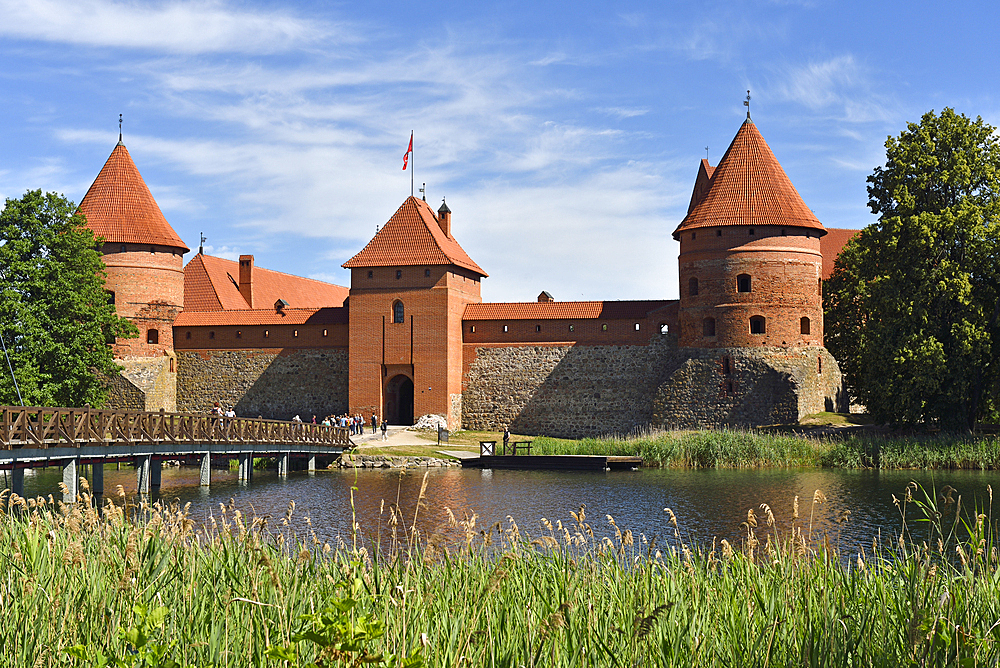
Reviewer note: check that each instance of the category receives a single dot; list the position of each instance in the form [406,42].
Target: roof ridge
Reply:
[274,271]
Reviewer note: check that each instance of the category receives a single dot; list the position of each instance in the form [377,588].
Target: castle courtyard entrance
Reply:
[399,400]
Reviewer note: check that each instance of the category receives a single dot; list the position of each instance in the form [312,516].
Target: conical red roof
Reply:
[749,187]
[412,236]
[120,208]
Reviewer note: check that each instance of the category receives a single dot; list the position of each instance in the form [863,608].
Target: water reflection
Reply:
[708,503]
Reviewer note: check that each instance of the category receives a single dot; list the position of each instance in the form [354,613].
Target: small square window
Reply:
[211,335]
[505,329]
[371,274]
[399,274]
[604,326]
[571,328]
[427,273]
[188,335]
[693,235]
[239,334]
[718,233]
[637,327]
[538,328]
[750,232]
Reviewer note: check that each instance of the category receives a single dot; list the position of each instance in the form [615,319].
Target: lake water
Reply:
[708,503]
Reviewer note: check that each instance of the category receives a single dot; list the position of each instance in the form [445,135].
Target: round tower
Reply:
[750,261]
[144,259]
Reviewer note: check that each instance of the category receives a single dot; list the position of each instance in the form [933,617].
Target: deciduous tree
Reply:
[912,305]
[55,316]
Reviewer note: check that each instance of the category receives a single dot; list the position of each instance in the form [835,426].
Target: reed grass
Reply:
[80,587]
[761,449]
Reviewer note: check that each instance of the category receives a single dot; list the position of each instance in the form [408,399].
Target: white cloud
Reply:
[192,26]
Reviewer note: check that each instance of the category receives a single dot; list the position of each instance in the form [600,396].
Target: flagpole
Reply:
[411,164]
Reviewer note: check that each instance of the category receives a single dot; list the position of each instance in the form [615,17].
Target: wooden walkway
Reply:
[37,436]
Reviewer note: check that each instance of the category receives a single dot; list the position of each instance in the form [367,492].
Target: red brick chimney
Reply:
[444,218]
[246,278]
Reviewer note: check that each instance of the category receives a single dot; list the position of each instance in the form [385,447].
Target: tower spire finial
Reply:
[746,103]
[201,245]
[119,128]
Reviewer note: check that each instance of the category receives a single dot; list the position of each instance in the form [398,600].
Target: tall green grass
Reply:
[77,586]
[758,449]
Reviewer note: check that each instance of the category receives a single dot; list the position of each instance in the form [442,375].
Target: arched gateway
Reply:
[399,400]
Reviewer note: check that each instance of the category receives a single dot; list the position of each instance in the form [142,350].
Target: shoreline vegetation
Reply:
[813,447]
[144,585]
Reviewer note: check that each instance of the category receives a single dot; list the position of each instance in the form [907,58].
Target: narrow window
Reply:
[819,289]
[397,311]
[187,335]
[123,248]
[324,332]
[693,235]
[266,333]
[153,336]
[399,274]
[708,327]
[727,368]
[664,328]
[729,387]
[571,328]
[472,329]
[371,274]
[693,287]
[239,334]
[757,325]
[211,335]
[295,333]
[604,326]
[819,364]
[743,283]
[427,273]
[505,330]
[538,328]
[172,368]
[637,327]
[718,232]
[804,325]
[111,297]
[783,232]
[751,231]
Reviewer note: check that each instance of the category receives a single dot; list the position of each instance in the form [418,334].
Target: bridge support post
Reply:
[311,467]
[246,466]
[155,469]
[282,466]
[206,469]
[97,479]
[142,466]
[71,478]
[17,480]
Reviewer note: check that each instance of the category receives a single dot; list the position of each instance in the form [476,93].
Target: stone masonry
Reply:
[272,383]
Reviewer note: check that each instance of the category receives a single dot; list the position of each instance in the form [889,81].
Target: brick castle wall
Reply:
[273,383]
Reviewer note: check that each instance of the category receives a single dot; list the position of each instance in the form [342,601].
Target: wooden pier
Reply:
[34,436]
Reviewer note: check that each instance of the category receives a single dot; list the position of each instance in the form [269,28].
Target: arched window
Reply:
[743,283]
[804,325]
[708,327]
[693,287]
[819,289]
[664,328]
[397,311]
[757,325]
[153,336]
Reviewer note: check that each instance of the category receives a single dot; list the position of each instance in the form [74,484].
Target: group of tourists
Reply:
[356,423]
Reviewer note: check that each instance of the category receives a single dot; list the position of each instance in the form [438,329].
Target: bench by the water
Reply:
[510,459]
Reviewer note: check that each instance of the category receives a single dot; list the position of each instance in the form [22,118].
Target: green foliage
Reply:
[913,303]
[55,316]
[139,650]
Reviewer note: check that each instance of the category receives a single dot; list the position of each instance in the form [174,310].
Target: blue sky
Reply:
[565,136]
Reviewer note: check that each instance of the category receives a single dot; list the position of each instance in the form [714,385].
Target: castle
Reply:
[411,336]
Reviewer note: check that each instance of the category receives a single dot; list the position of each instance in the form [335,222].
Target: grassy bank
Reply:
[754,449]
[79,589]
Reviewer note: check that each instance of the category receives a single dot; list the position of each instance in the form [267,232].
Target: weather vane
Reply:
[706,153]
[119,127]
[423,191]
[201,248]
[746,103]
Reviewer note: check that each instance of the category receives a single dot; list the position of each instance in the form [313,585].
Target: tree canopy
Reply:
[55,317]
[913,302]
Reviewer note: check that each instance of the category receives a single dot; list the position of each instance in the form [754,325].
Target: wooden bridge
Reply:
[37,436]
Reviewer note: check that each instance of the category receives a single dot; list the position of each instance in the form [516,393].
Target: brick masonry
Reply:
[273,383]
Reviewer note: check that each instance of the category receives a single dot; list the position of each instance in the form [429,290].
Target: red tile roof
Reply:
[701,183]
[248,317]
[618,310]
[413,236]
[120,208]
[831,245]
[749,187]
[212,284]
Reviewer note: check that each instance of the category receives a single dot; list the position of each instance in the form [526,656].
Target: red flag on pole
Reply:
[409,150]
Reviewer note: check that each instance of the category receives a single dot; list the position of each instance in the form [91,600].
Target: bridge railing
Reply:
[42,427]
